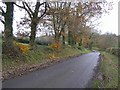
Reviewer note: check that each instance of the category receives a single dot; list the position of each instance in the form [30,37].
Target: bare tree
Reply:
[8,47]
[35,16]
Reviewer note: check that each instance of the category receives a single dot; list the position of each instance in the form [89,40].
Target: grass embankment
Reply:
[35,57]
[107,76]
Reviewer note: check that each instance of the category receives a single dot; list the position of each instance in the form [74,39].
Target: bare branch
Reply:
[44,11]
[2,21]
[36,9]
[23,7]
[19,6]
[62,28]
[3,13]
[27,10]
[43,3]
[28,7]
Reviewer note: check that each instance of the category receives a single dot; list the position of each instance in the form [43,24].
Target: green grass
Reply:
[32,57]
[40,55]
[71,52]
[0,40]
[109,68]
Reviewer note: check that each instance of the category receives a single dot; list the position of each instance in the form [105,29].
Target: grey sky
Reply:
[109,23]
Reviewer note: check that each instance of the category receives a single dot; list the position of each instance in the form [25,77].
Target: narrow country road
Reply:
[73,73]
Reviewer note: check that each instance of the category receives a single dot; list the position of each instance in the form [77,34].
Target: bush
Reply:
[113,50]
[44,40]
[25,40]
[24,48]
[80,47]
[55,46]
[39,42]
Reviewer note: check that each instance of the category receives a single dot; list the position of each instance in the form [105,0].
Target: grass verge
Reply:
[36,57]
[107,76]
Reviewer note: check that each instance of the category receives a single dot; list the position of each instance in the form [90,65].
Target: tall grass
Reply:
[109,68]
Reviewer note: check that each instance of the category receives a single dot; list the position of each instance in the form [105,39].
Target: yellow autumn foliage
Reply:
[24,48]
[52,56]
[55,46]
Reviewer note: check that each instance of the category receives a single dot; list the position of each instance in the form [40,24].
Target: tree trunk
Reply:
[33,34]
[8,24]
[71,40]
[8,48]
[63,40]
[63,30]
[69,37]
[80,43]
[57,37]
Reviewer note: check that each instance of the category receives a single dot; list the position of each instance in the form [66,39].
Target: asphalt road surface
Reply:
[73,73]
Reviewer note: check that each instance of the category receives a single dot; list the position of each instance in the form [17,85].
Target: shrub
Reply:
[80,47]
[113,50]
[44,40]
[56,46]
[24,48]
[22,40]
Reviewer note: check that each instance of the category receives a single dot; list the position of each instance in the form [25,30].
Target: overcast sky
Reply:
[108,23]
